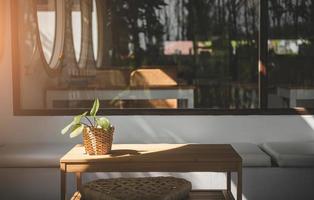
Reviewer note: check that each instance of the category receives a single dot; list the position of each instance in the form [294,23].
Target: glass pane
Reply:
[173,54]
[95,29]
[206,47]
[291,54]
[46,16]
[77,27]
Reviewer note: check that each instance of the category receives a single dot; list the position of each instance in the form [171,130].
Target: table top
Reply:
[135,153]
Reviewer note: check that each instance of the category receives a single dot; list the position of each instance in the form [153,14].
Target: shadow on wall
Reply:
[309,119]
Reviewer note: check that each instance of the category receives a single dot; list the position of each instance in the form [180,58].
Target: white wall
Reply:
[145,129]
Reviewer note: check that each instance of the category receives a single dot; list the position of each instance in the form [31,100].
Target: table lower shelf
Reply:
[194,195]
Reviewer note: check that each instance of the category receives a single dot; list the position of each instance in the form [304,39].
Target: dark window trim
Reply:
[263,55]
[17,110]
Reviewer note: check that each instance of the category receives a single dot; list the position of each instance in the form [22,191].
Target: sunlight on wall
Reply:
[309,119]
[2,24]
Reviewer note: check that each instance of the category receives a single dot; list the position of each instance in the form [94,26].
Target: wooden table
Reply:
[156,158]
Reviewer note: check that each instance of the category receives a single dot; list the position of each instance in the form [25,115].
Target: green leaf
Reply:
[77,119]
[77,130]
[103,122]
[67,128]
[95,108]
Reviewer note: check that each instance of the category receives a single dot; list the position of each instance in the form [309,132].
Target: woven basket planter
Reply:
[97,141]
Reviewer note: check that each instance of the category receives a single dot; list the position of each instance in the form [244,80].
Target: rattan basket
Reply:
[98,141]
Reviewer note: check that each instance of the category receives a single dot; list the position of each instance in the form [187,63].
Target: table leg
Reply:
[78,176]
[229,181]
[63,181]
[239,185]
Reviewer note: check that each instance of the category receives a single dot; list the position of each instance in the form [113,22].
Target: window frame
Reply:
[262,84]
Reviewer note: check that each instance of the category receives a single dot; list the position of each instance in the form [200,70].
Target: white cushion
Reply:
[297,154]
[252,155]
[32,155]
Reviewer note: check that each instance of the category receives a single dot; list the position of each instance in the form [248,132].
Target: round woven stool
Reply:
[148,188]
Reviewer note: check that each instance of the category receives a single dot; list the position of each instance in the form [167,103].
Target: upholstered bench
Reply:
[148,188]
[252,155]
[296,154]
[25,167]
[32,155]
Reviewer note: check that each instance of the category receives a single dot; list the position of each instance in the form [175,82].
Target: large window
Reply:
[162,56]
[291,54]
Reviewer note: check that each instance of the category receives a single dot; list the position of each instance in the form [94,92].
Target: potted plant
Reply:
[97,131]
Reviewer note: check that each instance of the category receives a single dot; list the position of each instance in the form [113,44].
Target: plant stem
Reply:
[89,121]
[86,125]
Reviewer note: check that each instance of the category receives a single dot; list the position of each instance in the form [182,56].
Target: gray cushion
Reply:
[32,155]
[297,154]
[252,155]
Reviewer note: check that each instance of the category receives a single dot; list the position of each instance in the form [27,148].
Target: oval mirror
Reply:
[50,23]
[76,15]
[46,17]
[98,31]
[95,29]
